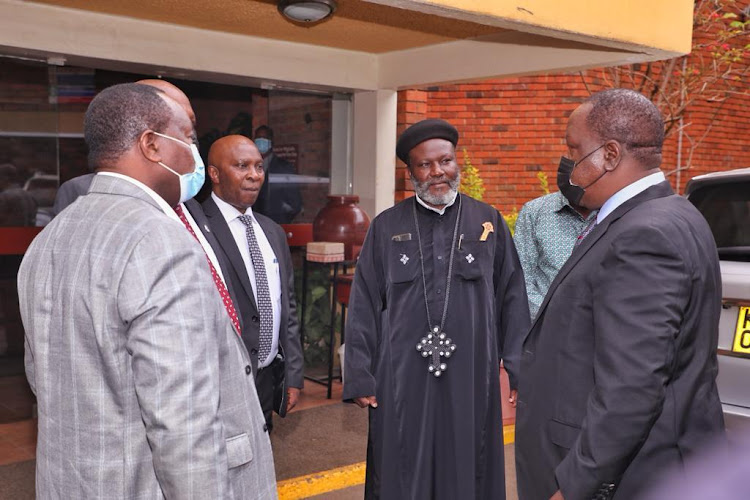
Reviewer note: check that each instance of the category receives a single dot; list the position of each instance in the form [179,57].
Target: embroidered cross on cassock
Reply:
[436,345]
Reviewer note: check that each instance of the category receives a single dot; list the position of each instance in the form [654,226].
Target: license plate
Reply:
[742,333]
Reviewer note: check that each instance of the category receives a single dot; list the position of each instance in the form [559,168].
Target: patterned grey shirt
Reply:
[546,231]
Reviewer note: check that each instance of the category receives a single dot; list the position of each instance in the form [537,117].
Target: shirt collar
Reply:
[228,211]
[560,202]
[441,211]
[629,192]
[163,205]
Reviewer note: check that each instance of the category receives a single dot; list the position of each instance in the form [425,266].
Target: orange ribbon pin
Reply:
[488,228]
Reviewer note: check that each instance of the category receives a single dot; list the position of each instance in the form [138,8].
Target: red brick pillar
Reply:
[411,108]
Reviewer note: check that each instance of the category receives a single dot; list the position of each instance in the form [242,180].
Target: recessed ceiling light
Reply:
[307,11]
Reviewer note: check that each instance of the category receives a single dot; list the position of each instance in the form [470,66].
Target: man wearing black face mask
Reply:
[547,229]
[619,366]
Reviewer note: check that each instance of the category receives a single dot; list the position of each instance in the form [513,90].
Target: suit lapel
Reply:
[658,191]
[224,237]
[201,221]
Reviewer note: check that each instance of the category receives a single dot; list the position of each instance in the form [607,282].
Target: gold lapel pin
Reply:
[488,228]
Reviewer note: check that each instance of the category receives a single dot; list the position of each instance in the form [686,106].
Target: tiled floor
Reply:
[315,395]
[16,399]
[17,441]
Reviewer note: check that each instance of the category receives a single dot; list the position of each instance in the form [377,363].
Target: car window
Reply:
[726,207]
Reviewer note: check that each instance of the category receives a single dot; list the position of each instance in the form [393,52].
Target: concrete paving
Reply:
[358,492]
[325,438]
[319,439]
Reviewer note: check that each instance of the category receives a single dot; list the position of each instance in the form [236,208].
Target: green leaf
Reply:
[729,15]
[318,292]
[737,24]
[471,182]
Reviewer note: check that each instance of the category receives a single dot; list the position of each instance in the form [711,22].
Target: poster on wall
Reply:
[288,152]
[75,85]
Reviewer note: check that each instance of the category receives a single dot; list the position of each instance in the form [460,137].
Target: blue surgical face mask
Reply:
[192,182]
[264,145]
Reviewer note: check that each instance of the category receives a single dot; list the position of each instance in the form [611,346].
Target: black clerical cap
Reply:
[423,131]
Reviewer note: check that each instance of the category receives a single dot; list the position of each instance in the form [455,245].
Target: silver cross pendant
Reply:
[436,345]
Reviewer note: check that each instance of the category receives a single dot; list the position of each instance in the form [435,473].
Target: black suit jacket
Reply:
[618,370]
[217,232]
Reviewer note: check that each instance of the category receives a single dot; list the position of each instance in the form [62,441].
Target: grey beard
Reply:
[423,191]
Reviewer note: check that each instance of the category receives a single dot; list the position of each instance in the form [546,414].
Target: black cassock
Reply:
[435,437]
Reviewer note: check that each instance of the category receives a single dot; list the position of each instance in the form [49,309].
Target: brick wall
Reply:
[514,128]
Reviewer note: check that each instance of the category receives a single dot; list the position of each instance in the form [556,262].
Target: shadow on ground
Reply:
[319,439]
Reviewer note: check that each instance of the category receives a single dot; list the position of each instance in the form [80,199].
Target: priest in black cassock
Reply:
[438,301]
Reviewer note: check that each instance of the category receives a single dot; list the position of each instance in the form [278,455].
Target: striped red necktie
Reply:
[589,227]
[217,280]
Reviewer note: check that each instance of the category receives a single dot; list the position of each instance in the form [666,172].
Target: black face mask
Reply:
[571,191]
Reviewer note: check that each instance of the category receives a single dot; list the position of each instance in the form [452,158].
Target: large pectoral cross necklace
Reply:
[436,345]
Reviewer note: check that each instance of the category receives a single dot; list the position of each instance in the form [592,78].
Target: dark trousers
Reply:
[264,386]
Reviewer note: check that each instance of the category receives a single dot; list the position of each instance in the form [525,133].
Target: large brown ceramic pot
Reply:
[342,220]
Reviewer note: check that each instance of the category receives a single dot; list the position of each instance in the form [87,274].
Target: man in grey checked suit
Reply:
[144,389]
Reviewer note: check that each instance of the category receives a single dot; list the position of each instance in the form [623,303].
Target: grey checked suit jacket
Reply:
[143,387]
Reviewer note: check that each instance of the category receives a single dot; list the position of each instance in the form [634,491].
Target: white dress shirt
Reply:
[239,232]
[628,192]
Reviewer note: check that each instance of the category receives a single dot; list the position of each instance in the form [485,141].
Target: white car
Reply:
[724,200]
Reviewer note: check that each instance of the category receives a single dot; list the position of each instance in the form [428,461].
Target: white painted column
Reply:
[374,149]
[341,144]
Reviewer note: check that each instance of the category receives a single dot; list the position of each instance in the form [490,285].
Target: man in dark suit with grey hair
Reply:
[619,367]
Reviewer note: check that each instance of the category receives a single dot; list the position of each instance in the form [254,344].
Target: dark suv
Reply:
[724,200]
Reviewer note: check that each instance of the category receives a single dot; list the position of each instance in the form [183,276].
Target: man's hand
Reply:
[292,396]
[513,398]
[557,496]
[365,402]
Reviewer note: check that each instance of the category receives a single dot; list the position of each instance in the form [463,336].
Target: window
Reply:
[726,207]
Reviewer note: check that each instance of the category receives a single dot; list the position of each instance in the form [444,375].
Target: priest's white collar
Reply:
[437,211]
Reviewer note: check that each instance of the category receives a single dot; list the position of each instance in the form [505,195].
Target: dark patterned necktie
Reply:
[265,309]
[225,298]
[586,230]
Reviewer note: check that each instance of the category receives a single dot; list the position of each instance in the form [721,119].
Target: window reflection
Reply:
[42,109]
[298,175]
